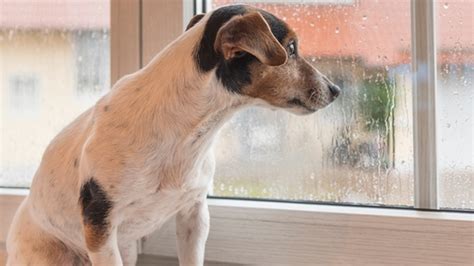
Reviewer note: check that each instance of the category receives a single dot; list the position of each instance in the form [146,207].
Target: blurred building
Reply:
[54,63]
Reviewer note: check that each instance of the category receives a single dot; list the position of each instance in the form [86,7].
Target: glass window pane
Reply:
[455,93]
[359,149]
[54,64]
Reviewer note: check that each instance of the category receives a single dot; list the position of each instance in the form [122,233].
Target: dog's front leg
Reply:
[99,226]
[107,254]
[192,228]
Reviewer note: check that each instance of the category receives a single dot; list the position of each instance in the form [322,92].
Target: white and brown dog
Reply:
[142,154]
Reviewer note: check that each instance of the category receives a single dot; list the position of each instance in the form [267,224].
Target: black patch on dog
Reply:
[206,57]
[96,206]
[278,27]
[234,73]
[194,21]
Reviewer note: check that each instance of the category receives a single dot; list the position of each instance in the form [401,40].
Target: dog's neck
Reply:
[177,100]
[173,113]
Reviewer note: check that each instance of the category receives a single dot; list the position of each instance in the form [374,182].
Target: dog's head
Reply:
[256,54]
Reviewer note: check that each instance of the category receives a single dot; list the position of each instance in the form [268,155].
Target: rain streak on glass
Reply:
[54,64]
[357,150]
[455,93]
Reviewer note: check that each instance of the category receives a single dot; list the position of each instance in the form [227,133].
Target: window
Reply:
[455,108]
[50,52]
[360,148]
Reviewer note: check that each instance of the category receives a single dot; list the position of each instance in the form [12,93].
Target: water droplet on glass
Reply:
[446,5]
[337,30]
[448,125]
[364,17]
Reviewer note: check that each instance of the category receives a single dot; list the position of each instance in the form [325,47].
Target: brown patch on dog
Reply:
[295,83]
[94,238]
[274,85]
[250,33]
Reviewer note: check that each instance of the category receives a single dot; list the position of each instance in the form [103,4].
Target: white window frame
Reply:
[424,103]
[274,233]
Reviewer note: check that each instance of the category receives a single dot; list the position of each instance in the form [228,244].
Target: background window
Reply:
[360,148]
[65,44]
[455,106]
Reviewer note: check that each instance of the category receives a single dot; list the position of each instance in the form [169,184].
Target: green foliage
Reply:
[376,103]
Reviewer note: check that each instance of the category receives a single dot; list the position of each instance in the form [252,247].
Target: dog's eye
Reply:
[292,49]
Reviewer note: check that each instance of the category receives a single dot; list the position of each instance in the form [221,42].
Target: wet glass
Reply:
[54,64]
[455,105]
[358,150]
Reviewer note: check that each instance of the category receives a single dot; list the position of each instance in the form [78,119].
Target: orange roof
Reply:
[70,14]
[379,32]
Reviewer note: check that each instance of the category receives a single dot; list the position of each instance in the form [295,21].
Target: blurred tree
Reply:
[376,101]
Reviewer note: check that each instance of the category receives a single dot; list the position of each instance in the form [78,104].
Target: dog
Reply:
[143,153]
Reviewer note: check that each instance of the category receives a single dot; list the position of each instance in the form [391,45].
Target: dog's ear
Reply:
[194,20]
[250,33]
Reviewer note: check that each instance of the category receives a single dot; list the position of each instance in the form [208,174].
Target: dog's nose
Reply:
[335,90]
